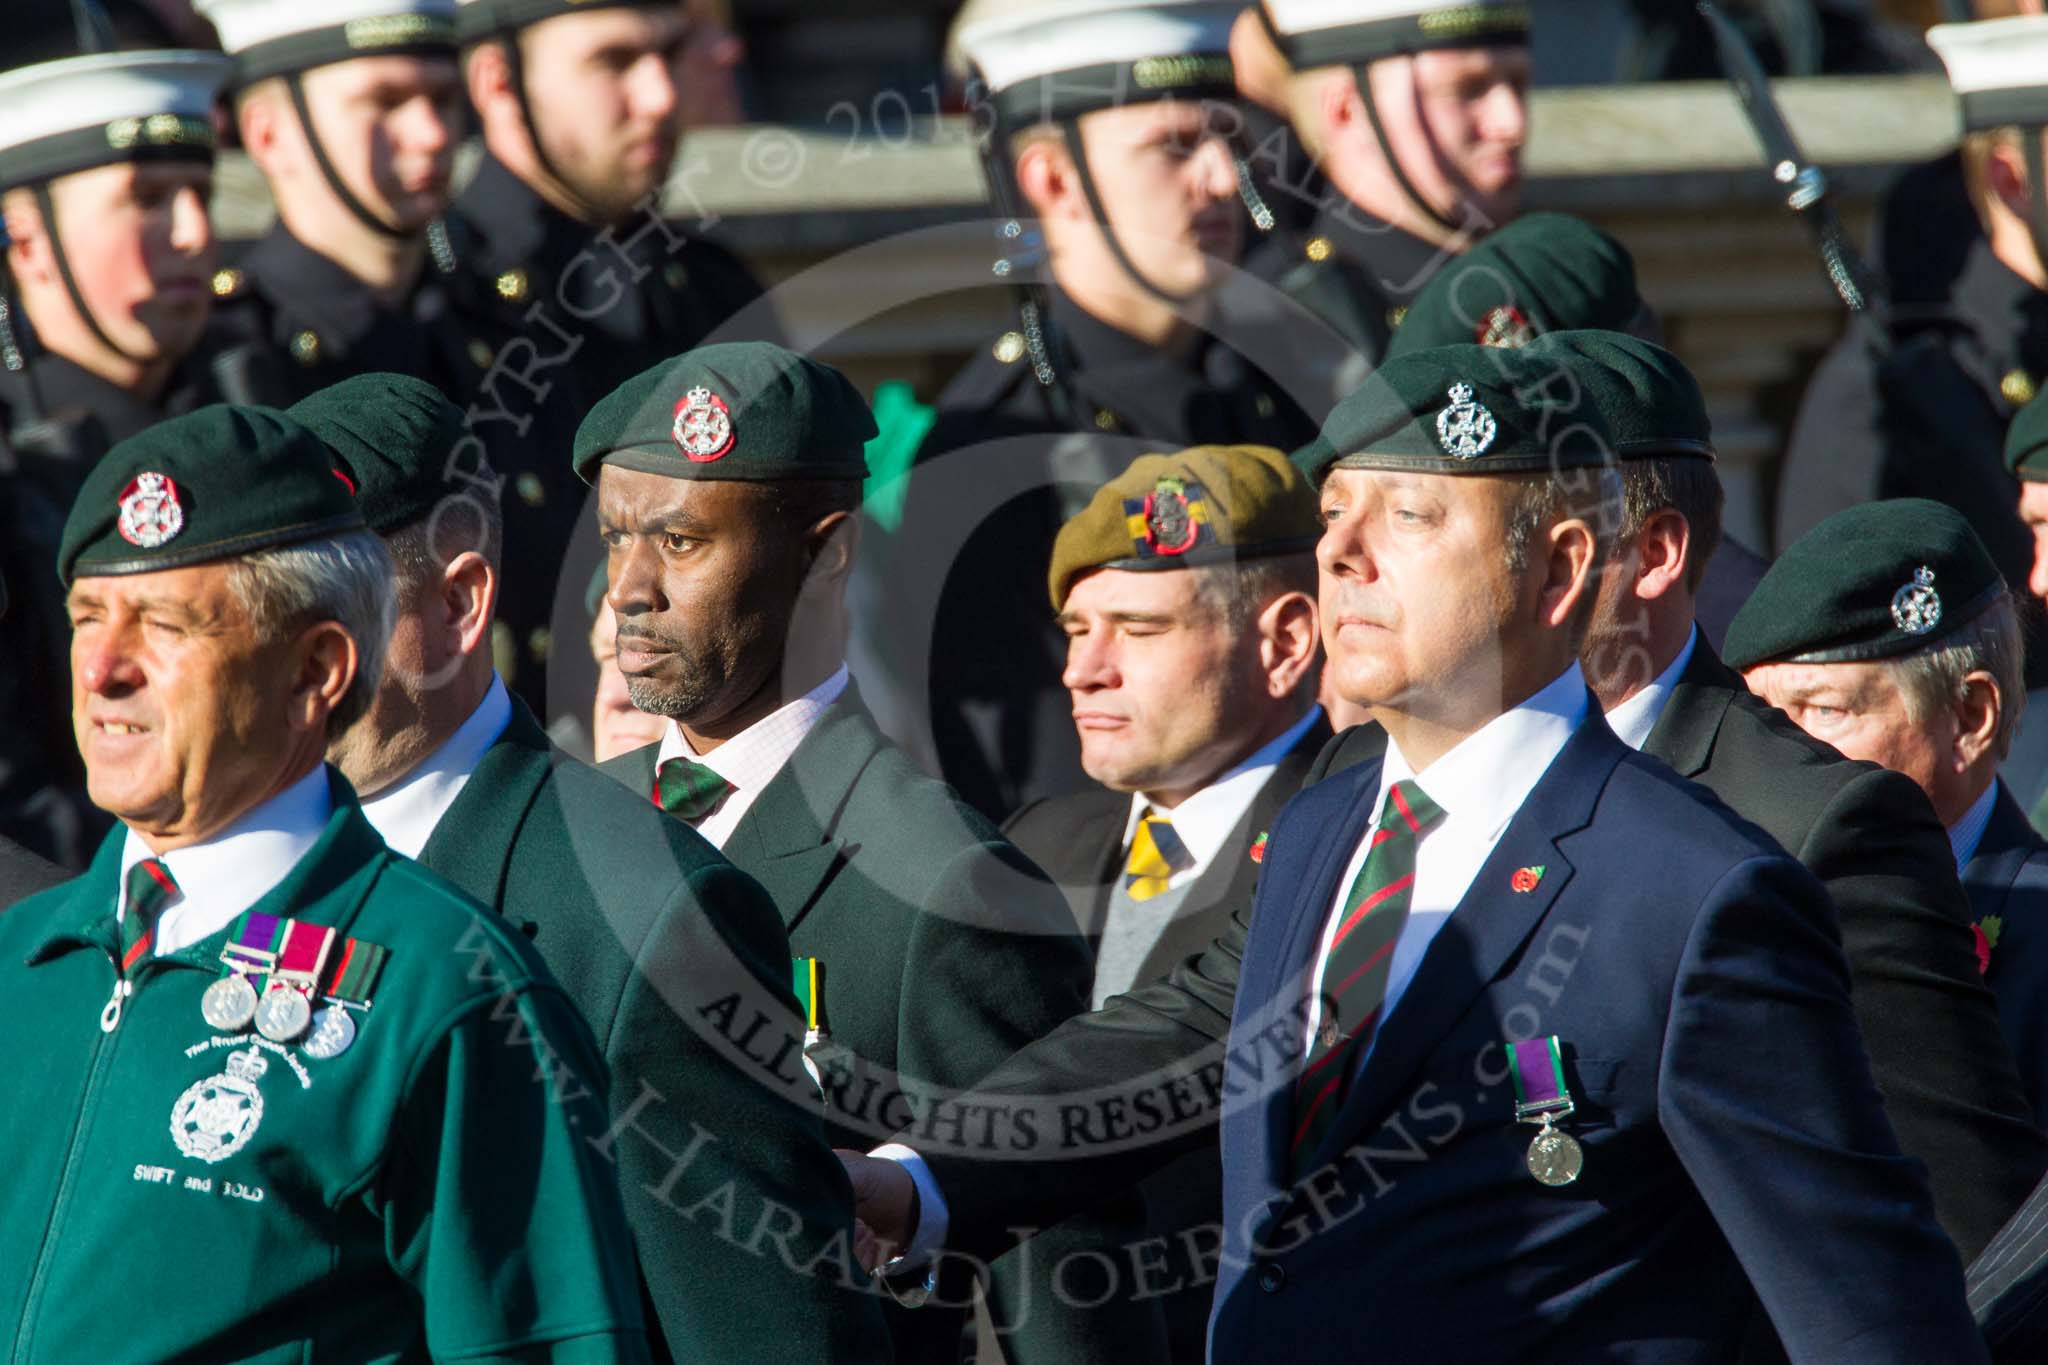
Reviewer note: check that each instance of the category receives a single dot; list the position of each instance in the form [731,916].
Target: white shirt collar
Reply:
[1965,834]
[1203,821]
[1483,781]
[407,811]
[220,878]
[1633,720]
[751,759]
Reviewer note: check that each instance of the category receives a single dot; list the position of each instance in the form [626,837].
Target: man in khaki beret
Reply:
[1186,589]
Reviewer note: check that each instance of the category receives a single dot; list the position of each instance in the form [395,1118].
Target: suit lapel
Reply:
[1684,735]
[471,846]
[1304,915]
[1488,928]
[2001,856]
[786,837]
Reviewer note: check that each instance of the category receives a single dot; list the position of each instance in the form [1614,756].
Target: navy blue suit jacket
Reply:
[1733,1135]
[2007,878]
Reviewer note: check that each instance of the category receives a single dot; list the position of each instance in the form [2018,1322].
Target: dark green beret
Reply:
[393,435]
[1652,404]
[1544,272]
[746,410]
[1465,409]
[1207,505]
[2026,443]
[217,483]
[1876,581]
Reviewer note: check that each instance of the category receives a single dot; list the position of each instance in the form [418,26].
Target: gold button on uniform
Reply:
[1317,248]
[1010,347]
[530,490]
[2018,388]
[511,285]
[306,347]
[226,281]
[1105,419]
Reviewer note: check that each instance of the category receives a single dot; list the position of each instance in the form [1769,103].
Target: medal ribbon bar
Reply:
[1537,1065]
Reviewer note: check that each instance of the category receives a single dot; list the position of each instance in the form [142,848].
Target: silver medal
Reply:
[229,1003]
[283,1015]
[333,1031]
[1555,1158]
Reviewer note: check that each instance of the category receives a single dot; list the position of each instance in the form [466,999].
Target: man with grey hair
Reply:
[282,1028]
[1888,632]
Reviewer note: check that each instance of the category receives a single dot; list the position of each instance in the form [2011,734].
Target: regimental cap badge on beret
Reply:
[1504,327]
[1916,608]
[1465,429]
[150,512]
[1172,519]
[703,429]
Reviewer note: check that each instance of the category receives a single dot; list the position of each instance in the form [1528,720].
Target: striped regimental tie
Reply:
[1353,985]
[1156,855]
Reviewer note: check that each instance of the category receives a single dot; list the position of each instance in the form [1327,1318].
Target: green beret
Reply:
[392,435]
[746,410]
[1878,580]
[2026,443]
[1544,272]
[1207,505]
[217,483]
[1652,404]
[1462,410]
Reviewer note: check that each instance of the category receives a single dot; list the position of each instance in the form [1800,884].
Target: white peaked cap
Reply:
[1998,69]
[80,112]
[1315,33]
[278,37]
[1069,56]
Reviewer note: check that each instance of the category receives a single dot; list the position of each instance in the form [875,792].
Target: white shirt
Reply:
[407,811]
[220,878]
[1206,819]
[751,759]
[1633,720]
[1480,784]
[1965,834]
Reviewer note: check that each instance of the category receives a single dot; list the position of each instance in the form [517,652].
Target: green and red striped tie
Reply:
[150,888]
[1353,985]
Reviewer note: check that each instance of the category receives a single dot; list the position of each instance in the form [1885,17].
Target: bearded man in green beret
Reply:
[257,1039]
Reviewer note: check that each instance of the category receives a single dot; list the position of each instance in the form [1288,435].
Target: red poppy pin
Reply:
[1525,879]
[1986,931]
[1259,848]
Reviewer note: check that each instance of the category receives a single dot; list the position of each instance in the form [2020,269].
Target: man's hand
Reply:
[885,1201]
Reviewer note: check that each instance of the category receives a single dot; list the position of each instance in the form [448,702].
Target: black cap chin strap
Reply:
[515,71]
[1034,301]
[1379,131]
[1070,128]
[48,208]
[355,206]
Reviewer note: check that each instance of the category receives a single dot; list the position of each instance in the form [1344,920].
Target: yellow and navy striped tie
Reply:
[1156,855]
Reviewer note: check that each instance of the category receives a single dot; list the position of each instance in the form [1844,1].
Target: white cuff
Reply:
[932,1219]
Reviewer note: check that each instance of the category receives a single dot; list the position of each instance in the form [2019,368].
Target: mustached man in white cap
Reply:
[1106,141]
[352,111]
[106,165]
[1917,404]
[1415,112]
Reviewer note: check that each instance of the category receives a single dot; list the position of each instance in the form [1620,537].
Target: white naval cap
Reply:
[81,112]
[1998,69]
[490,18]
[1315,33]
[1060,60]
[278,37]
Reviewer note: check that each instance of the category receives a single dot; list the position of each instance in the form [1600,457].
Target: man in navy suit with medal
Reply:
[1527,1048]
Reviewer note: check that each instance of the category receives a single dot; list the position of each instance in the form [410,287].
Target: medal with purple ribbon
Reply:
[286,1010]
[1541,1096]
[229,1004]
